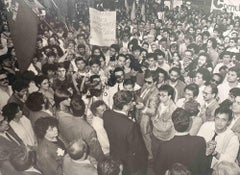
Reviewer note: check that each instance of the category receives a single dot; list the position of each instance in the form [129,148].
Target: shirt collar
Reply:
[181,133]
[121,112]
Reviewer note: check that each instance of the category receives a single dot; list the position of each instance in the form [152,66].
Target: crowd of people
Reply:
[165,96]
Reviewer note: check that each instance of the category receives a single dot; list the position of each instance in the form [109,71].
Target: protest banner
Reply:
[102,27]
[23,23]
[230,5]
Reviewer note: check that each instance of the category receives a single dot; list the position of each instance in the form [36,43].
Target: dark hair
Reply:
[181,120]
[225,53]
[121,55]
[76,149]
[153,74]
[118,69]
[235,91]
[80,59]
[9,111]
[19,85]
[39,79]
[235,69]
[162,71]
[169,89]
[175,69]
[194,88]
[206,75]
[214,42]
[108,167]
[93,61]
[152,55]
[128,81]
[77,105]
[158,52]
[179,169]
[42,124]
[122,98]
[35,101]
[213,88]
[60,95]
[95,105]
[224,110]
[220,76]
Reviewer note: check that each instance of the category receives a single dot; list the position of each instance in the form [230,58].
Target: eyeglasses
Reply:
[215,81]
[148,82]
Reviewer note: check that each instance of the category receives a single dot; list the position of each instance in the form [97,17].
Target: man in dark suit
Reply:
[183,148]
[126,143]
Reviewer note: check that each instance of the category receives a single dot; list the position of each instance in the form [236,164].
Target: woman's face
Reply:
[176,57]
[66,102]
[18,115]
[127,63]
[45,84]
[52,132]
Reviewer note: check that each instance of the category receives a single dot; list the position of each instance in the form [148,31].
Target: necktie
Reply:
[118,87]
[214,136]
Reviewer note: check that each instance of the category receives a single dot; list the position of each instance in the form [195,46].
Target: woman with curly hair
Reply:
[50,150]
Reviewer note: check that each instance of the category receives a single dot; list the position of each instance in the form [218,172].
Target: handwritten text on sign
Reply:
[102,27]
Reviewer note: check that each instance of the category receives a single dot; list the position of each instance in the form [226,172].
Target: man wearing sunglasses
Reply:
[5,89]
[147,105]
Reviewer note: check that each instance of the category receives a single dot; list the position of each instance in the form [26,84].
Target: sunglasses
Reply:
[148,82]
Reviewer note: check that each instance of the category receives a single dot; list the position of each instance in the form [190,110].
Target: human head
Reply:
[151,58]
[162,75]
[78,150]
[216,79]
[20,87]
[178,169]
[12,111]
[42,82]
[212,43]
[128,84]
[191,91]
[150,78]
[95,65]
[61,70]
[226,57]
[35,101]
[62,97]
[203,59]
[160,56]
[98,108]
[203,76]
[223,117]
[233,75]
[210,92]
[119,74]
[123,100]
[166,93]
[181,120]
[236,102]
[108,167]
[46,127]
[121,60]
[77,106]
[174,74]
[4,82]
[80,63]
